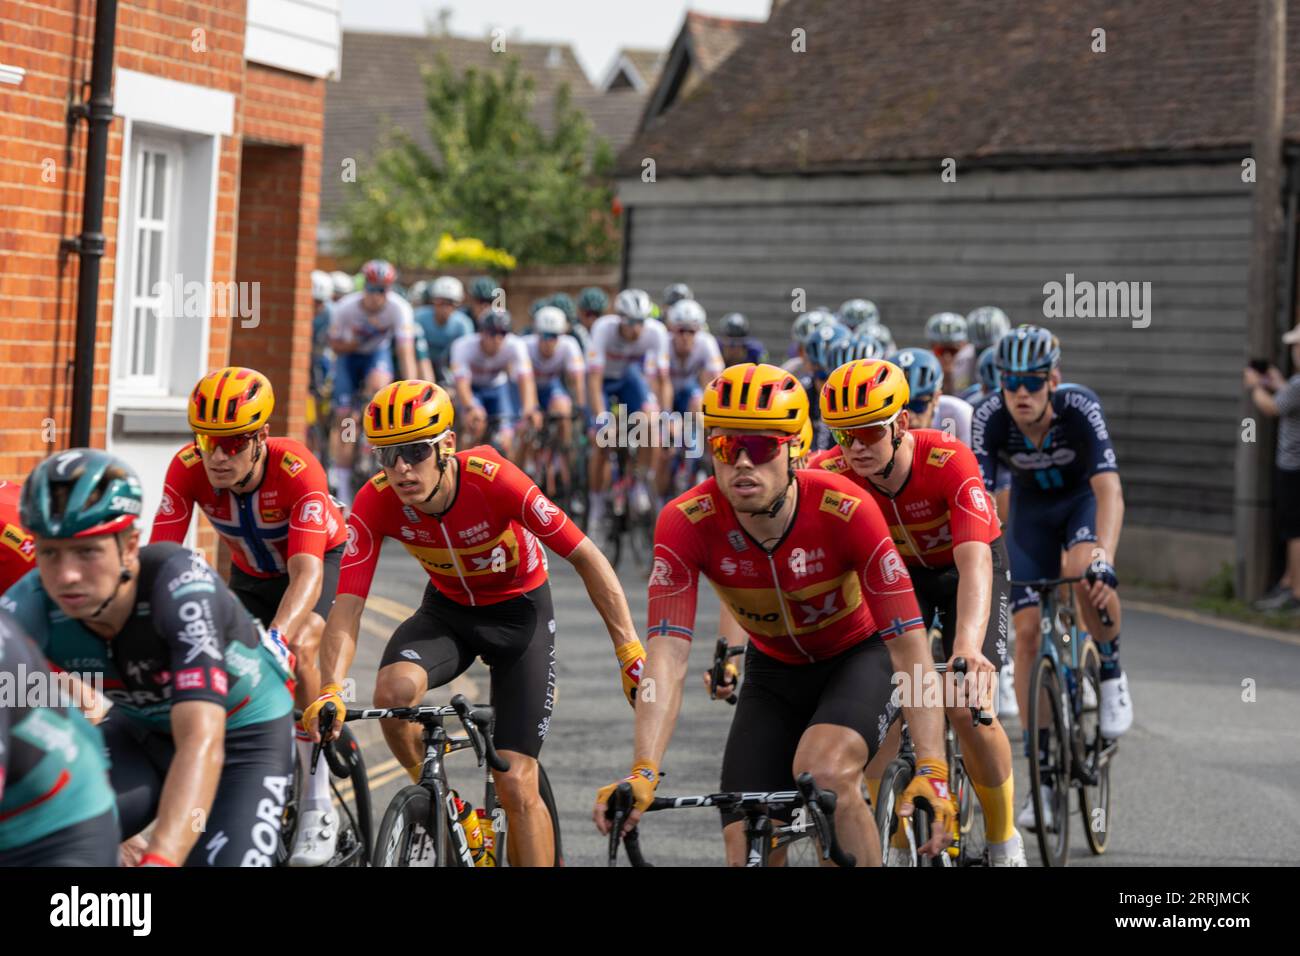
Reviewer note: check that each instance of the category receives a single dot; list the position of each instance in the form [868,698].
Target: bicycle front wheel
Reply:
[895,780]
[415,832]
[1049,765]
[1094,787]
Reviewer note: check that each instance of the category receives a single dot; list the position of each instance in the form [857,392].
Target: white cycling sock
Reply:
[342,480]
[597,511]
[1000,851]
[315,786]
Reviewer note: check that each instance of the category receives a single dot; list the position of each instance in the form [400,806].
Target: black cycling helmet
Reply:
[496,320]
[734,326]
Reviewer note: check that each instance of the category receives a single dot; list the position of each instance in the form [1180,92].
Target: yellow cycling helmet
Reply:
[866,392]
[408,411]
[805,441]
[758,397]
[231,401]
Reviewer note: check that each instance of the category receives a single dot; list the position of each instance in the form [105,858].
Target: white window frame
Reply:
[153,384]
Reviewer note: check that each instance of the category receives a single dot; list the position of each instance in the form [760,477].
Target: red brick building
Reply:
[213,181]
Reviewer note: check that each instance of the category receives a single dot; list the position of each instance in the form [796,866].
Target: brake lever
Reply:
[326,724]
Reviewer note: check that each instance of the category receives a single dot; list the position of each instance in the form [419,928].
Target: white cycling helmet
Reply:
[343,283]
[448,288]
[687,314]
[946,328]
[633,305]
[322,286]
[550,320]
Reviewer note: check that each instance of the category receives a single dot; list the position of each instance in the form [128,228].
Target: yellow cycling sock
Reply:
[998,805]
[414,770]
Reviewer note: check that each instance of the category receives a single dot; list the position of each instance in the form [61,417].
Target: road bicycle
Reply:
[427,823]
[1064,712]
[350,795]
[968,848]
[629,519]
[762,834]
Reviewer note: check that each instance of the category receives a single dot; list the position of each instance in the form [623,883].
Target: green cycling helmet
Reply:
[564,302]
[593,299]
[482,289]
[103,495]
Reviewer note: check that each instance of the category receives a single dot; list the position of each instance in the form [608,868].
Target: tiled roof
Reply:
[890,82]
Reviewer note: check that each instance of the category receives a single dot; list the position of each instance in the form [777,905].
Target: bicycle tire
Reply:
[353,846]
[415,832]
[360,781]
[502,848]
[897,775]
[1094,800]
[1053,847]
[972,844]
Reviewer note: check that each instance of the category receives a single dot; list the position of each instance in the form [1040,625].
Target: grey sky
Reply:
[595,29]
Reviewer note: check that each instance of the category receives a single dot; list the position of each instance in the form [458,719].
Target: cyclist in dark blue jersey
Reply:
[200,733]
[1065,494]
[737,345]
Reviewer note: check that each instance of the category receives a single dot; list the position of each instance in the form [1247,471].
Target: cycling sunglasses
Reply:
[920,406]
[497,333]
[232,445]
[410,452]
[867,434]
[376,288]
[549,336]
[760,448]
[1032,383]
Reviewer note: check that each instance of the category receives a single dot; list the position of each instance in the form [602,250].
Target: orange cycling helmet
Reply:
[867,392]
[231,401]
[757,397]
[407,411]
[805,441]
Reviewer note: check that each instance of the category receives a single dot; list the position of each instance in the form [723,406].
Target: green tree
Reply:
[492,174]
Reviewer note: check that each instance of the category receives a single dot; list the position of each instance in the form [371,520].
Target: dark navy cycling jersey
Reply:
[188,638]
[1076,446]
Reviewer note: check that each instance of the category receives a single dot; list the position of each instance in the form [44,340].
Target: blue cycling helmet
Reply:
[1027,348]
[824,343]
[866,345]
[988,369]
[923,371]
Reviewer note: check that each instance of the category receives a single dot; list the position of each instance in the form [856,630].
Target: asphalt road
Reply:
[1205,777]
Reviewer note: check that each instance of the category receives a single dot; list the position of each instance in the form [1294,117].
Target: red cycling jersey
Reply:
[18,550]
[482,550]
[834,580]
[290,512]
[942,503]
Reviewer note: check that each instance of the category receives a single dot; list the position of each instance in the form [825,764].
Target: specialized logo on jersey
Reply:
[938,457]
[839,504]
[481,466]
[697,508]
[190,456]
[292,464]
[835,464]
[17,539]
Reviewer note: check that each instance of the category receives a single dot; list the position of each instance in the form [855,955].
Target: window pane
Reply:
[143,177]
[141,254]
[159,185]
[150,342]
[155,260]
[137,323]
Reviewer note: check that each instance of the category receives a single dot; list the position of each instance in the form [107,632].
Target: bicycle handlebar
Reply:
[978,715]
[1046,584]
[722,652]
[476,720]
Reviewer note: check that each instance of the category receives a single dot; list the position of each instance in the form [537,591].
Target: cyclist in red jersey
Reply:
[476,524]
[17,549]
[931,492]
[267,498]
[804,562]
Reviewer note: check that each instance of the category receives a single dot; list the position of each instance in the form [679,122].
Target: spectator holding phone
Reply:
[1279,397]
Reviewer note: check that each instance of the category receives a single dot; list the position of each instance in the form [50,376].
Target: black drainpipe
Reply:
[89,246]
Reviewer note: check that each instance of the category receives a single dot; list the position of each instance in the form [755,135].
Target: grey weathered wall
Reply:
[917,246]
